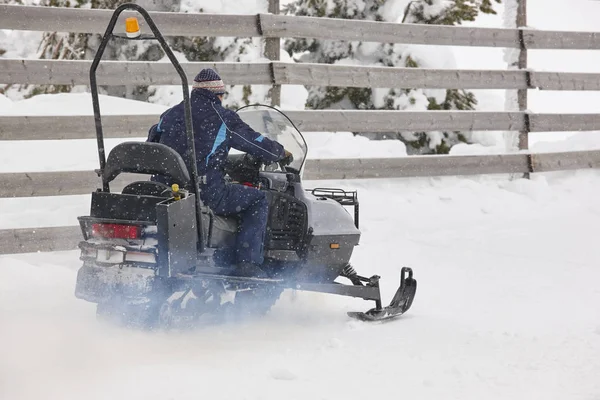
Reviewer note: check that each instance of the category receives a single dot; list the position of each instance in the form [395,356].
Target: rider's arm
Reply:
[246,139]
[153,134]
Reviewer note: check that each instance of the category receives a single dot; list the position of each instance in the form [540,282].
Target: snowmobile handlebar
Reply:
[191,150]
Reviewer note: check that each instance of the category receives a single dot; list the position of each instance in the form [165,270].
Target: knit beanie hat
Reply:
[208,79]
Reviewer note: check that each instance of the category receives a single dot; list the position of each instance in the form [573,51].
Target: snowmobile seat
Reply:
[147,158]
[147,188]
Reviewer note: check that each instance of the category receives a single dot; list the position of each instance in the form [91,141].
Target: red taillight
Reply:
[116,231]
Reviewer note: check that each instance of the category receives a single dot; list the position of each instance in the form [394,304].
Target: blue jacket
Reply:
[216,130]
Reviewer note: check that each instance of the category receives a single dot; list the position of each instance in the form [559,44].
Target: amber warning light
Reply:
[132,27]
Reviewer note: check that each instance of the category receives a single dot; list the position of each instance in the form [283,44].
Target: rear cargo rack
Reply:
[344,197]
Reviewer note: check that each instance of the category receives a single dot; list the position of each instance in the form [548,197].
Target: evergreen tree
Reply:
[80,46]
[447,12]
[60,46]
[2,50]
[219,49]
[16,2]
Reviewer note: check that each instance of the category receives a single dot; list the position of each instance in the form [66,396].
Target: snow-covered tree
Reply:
[2,49]
[80,46]
[83,46]
[448,12]
[226,49]
[19,2]
[59,46]
[15,44]
[72,46]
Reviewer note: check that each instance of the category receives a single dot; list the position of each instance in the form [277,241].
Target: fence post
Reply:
[272,52]
[522,64]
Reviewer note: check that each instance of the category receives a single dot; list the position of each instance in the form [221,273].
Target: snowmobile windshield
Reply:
[276,126]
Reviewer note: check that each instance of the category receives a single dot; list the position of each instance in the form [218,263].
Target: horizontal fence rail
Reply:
[31,240]
[67,237]
[137,126]
[116,73]
[286,26]
[62,19]
[26,184]
[77,20]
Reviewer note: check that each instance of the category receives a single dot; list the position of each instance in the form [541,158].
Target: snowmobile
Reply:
[155,256]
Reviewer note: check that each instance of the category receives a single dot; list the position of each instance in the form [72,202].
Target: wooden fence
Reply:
[274,27]
[55,19]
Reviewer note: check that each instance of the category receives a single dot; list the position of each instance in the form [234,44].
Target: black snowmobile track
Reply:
[400,303]
[364,292]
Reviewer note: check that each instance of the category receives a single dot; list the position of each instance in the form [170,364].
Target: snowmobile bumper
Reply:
[99,284]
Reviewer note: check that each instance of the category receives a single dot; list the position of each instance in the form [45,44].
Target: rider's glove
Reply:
[287,159]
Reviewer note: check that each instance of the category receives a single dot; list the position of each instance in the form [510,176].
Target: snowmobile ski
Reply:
[400,303]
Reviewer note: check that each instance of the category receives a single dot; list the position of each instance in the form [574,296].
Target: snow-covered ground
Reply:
[506,307]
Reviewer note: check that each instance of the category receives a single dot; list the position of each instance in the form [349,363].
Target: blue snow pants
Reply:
[252,208]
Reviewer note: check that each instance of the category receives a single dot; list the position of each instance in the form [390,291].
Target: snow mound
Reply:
[347,145]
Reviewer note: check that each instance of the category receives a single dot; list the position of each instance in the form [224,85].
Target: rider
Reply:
[218,129]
